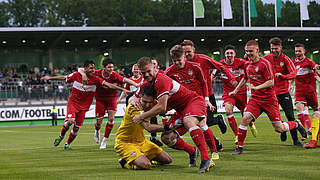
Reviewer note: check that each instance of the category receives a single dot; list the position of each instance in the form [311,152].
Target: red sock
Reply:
[291,124]
[307,120]
[72,136]
[63,131]
[301,119]
[108,130]
[209,137]
[242,133]
[182,145]
[233,124]
[198,138]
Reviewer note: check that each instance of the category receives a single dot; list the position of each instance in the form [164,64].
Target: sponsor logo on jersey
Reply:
[133,153]
[281,64]
[257,69]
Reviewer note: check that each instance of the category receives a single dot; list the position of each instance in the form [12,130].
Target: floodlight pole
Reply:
[194,13]
[244,12]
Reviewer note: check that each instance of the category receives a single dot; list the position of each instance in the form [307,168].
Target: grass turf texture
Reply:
[28,153]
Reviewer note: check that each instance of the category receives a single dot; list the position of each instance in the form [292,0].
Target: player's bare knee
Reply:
[247,118]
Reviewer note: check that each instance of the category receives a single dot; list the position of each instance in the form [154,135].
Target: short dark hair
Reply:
[148,91]
[187,42]
[107,61]
[143,61]
[299,45]
[229,46]
[275,41]
[177,51]
[87,63]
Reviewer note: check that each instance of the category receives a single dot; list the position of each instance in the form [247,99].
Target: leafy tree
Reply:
[26,13]
[4,16]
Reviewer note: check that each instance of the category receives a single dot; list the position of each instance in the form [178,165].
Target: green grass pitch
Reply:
[28,153]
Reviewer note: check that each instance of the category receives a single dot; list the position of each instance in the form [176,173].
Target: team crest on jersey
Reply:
[190,72]
[69,115]
[257,69]
[281,64]
[298,67]
[133,153]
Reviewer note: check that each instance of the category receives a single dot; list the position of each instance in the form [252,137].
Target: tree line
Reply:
[57,13]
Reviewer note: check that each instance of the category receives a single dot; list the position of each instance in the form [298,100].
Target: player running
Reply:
[80,99]
[207,64]
[106,99]
[263,98]
[284,71]
[190,75]
[236,66]
[306,92]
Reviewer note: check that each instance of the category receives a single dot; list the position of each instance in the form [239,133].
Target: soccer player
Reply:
[135,150]
[80,100]
[137,77]
[263,98]
[207,64]
[236,66]
[172,95]
[190,75]
[306,92]
[284,71]
[106,99]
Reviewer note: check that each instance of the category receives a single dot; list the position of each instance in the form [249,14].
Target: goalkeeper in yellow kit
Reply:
[135,150]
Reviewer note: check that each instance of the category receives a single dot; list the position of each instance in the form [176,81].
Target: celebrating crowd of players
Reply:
[184,92]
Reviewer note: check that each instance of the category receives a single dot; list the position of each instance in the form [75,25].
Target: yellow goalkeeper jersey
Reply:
[128,130]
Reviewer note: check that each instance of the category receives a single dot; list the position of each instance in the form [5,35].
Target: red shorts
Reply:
[308,98]
[109,103]
[196,107]
[270,106]
[74,113]
[239,100]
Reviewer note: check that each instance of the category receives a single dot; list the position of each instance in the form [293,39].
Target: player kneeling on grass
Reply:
[135,150]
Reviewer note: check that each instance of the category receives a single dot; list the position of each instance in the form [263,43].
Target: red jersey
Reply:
[160,71]
[179,96]
[206,64]
[285,66]
[82,95]
[104,92]
[237,69]
[305,80]
[136,80]
[259,73]
[190,76]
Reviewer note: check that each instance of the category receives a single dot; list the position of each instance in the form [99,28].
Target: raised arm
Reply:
[129,81]
[60,78]
[112,86]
